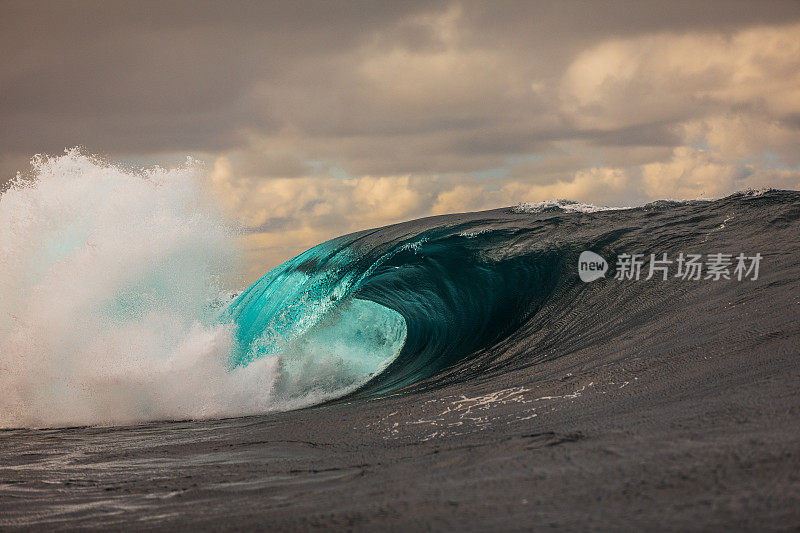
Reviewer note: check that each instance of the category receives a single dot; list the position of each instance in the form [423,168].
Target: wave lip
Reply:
[304,312]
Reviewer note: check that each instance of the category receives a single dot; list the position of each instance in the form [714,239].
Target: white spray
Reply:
[106,279]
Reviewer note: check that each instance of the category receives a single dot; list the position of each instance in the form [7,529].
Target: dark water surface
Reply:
[522,398]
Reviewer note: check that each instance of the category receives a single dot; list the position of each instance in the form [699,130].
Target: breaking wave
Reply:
[113,309]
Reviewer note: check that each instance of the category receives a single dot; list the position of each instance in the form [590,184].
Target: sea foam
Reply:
[107,278]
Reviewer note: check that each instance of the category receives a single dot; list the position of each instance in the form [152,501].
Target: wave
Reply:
[113,310]
[496,291]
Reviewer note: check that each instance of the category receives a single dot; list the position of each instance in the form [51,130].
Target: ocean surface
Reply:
[449,372]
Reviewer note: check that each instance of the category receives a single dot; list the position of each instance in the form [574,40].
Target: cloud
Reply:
[284,216]
[381,87]
[689,174]
[746,136]
[355,202]
[672,78]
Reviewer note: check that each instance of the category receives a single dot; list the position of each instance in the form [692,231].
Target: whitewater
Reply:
[113,284]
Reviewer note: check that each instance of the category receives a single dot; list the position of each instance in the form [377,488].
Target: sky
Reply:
[315,119]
